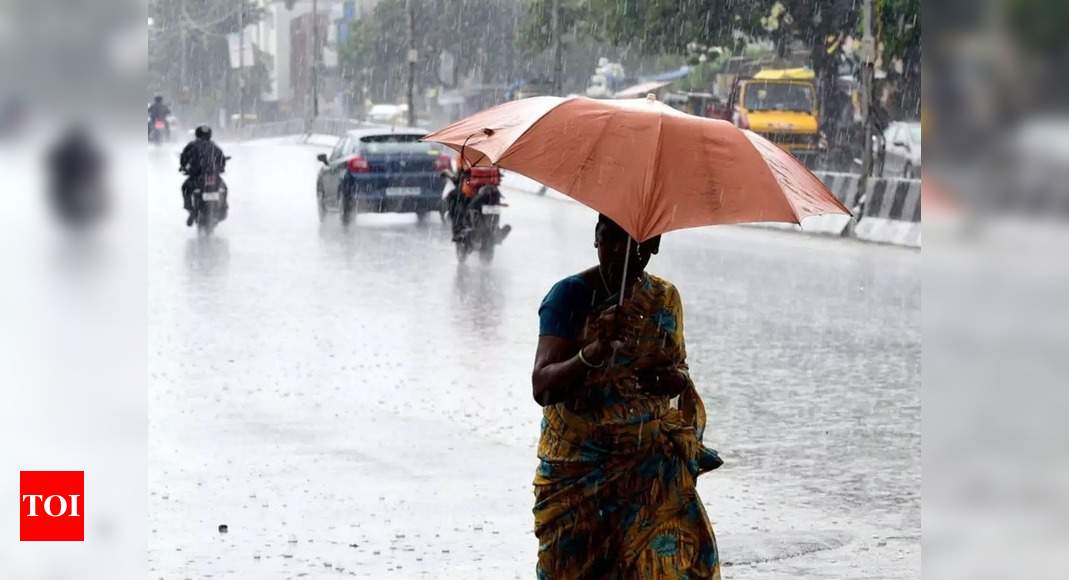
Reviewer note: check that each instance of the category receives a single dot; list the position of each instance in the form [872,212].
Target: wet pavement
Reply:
[355,403]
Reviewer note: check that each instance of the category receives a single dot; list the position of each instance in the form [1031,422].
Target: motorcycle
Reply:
[476,219]
[157,131]
[209,198]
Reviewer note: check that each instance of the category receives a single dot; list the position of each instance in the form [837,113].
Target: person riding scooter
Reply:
[468,184]
[199,158]
[158,111]
[458,204]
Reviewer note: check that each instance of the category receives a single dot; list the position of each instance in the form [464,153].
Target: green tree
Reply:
[477,34]
[647,26]
[194,33]
[671,26]
[898,26]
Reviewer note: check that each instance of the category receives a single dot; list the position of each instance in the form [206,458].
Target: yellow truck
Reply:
[781,105]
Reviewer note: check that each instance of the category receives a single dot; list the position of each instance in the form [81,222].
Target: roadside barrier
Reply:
[266,130]
[320,126]
[892,212]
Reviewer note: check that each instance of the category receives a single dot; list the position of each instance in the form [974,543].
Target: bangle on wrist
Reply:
[583,360]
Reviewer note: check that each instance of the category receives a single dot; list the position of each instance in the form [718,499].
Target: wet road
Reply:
[353,402]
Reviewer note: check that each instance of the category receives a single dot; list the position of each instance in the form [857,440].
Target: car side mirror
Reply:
[901,144]
[322,157]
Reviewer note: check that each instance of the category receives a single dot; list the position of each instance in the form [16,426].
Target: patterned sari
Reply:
[614,491]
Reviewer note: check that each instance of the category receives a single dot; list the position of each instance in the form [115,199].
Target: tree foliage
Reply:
[188,51]
[673,26]
[478,36]
[648,26]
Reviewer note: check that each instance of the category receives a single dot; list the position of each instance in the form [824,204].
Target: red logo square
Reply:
[51,506]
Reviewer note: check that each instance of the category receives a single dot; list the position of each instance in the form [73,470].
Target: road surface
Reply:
[355,403]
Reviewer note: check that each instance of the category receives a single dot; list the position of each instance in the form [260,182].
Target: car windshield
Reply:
[391,143]
[772,96]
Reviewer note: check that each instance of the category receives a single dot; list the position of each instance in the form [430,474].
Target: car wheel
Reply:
[347,211]
[347,205]
[321,204]
[421,217]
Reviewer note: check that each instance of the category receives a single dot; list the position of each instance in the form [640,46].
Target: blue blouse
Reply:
[565,308]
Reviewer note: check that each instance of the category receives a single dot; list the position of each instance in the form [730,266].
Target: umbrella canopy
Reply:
[649,167]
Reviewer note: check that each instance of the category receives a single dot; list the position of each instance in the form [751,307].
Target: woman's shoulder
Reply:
[565,307]
[568,289]
[661,284]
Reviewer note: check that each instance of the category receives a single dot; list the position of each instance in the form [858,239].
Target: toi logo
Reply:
[51,506]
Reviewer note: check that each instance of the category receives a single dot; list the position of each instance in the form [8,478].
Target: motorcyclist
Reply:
[458,205]
[458,201]
[200,157]
[159,111]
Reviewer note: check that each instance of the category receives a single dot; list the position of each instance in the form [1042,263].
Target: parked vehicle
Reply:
[901,156]
[388,114]
[381,170]
[780,105]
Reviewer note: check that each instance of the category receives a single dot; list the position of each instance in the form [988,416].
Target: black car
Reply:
[381,170]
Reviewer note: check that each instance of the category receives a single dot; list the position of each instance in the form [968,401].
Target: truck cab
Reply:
[780,105]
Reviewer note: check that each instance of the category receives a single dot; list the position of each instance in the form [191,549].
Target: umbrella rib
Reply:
[652,169]
[759,146]
[508,149]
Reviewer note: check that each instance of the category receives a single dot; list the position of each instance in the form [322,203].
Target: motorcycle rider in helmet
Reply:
[160,111]
[200,157]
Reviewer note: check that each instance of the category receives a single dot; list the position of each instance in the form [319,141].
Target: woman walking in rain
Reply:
[615,489]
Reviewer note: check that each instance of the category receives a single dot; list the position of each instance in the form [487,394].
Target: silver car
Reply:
[902,150]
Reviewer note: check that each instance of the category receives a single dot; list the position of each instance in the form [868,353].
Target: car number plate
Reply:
[491,210]
[402,191]
[210,197]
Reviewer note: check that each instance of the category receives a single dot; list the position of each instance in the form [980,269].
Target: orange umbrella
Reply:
[650,168]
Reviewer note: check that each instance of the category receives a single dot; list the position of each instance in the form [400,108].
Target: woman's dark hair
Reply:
[611,228]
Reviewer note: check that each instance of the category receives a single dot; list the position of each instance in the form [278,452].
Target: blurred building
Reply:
[285,37]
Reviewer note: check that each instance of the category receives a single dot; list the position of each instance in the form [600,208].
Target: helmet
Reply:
[203,132]
[157,99]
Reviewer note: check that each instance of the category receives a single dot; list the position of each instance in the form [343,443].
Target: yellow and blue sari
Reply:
[614,490]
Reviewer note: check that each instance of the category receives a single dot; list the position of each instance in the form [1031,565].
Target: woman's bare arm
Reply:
[558,371]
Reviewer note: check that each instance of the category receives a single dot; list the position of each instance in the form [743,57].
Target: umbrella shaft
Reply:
[623,276]
[623,286]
